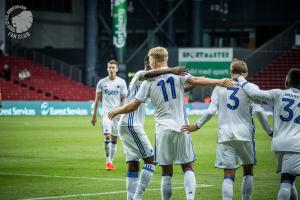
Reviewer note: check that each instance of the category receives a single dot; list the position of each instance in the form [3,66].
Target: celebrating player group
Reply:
[235,100]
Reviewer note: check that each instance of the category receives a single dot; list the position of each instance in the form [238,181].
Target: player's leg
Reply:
[288,165]
[132,178]
[132,159]
[107,146]
[146,152]
[227,186]
[286,184]
[247,184]
[166,182]
[185,156]
[113,150]
[226,158]
[106,126]
[294,192]
[247,154]
[145,177]
[165,156]
[189,180]
[114,139]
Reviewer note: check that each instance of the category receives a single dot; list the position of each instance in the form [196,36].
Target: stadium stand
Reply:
[273,75]
[44,84]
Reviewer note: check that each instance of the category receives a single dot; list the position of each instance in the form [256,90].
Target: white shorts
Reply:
[110,126]
[228,153]
[288,162]
[173,148]
[135,142]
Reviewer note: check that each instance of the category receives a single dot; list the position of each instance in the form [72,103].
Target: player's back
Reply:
[167,95]
[137,117]
[286,120]
[234,114]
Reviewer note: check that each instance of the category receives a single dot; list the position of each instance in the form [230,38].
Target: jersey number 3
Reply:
[234,98]
[162,84]
[289,111]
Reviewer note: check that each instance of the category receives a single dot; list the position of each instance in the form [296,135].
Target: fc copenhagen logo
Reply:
[18,20]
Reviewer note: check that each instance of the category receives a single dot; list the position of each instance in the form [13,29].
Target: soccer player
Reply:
[135,142]
[286,137]
[166,92]
[236,132]
[112,90]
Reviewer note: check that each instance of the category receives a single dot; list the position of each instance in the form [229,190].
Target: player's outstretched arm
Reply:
[157,72]
[127,108]
[96,103]
[200,81]
[254,92]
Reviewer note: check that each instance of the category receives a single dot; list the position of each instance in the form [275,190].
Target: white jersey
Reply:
[286,115]
[167,95]
[137,117]
[235,110]
[112,91]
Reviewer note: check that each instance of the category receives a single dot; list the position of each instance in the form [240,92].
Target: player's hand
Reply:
[271,135]
[117,117]
[225,82]
[179,71]
[189,128]
[112,114]
[94,120]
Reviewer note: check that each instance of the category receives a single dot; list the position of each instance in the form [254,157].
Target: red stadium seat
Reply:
[273,75]
[44,84]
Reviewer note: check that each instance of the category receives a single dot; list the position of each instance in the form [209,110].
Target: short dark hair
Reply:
[293,78]
[113,62]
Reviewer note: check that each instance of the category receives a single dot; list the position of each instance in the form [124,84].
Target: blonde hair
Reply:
[159,54]
[238,66]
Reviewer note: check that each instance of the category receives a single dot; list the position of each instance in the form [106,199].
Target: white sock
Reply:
[107,146]
[190,184]
[166,187]
[145,177]
[113,150]
[294,193]
[227,189]
[247,187]
[131,184]
[284,191]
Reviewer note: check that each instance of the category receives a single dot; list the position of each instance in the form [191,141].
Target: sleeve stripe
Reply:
[139,100]
[245,83]
[190,76]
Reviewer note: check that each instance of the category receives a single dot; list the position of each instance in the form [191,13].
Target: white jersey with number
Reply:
[235,110]
[137,117]
[286,136]
[112,91]
[167,95]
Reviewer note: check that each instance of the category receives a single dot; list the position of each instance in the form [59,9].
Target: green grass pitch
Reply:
[63,158]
